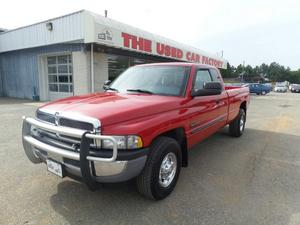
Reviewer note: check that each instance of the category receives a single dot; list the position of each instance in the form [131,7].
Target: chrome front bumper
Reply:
[89,168]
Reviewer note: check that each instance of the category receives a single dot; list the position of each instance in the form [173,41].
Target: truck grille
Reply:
[45,117]
[63,141]
[76,124]
[65,121]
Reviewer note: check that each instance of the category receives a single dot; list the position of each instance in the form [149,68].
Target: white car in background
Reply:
[280,88]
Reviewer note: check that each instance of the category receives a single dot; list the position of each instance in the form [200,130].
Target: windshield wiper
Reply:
[140,91]
[111,89]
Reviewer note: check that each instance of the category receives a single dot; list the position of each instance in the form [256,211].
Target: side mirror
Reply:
[106,84]
[210,88]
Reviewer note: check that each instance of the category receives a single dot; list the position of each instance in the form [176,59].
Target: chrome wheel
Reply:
[242,123]
[168,169]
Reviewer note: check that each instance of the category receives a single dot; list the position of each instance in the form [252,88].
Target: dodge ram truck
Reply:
[142,126]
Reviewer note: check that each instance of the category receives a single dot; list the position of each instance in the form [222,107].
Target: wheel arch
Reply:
[179,135]
[244,106]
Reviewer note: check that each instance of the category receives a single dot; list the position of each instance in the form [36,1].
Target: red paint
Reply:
[145,45]
[193,57]
[169,51]
[138,43]
[151,115]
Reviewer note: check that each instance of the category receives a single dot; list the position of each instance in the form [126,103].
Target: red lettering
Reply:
[173,52]
[204,60]
[147,45]
[167,50]
[197,58]
[188,56]
[134,42]
[160,48]
[179,54]
[126,38]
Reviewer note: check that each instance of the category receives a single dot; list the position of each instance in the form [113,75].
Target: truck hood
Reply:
[111,107]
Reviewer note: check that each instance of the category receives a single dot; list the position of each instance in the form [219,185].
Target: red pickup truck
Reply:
[140,127]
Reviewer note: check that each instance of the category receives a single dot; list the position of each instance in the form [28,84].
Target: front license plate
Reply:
[54,167]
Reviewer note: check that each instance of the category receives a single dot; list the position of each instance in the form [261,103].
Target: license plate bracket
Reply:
[55,167]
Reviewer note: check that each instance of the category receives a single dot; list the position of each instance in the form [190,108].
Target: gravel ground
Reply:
[251,180]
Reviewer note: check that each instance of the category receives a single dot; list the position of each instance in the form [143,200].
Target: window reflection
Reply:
[117,64]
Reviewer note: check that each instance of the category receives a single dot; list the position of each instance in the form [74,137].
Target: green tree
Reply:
[229,72]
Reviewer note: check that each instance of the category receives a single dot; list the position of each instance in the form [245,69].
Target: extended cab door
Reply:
[223,100]
[205,113]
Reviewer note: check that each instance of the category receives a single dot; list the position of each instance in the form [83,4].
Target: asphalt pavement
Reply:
[251,180]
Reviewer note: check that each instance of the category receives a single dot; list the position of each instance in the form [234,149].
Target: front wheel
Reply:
[237,126]
[160,175]
[263,93]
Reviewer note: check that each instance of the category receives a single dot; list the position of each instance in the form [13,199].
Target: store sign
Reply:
[105,35]
[154,45]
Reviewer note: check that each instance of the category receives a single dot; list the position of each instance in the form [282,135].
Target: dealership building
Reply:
[74,54]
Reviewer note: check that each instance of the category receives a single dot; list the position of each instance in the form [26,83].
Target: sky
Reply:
[254,32]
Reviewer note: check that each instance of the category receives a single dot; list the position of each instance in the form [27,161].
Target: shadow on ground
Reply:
[249,180]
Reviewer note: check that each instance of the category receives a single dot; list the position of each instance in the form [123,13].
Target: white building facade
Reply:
[76,53]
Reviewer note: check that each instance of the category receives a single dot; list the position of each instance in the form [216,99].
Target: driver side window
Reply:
[202,77]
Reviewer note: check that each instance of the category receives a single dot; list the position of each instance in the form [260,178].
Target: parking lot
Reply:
[254,179]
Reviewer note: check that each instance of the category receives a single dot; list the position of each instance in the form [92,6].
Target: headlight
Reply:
[124,142]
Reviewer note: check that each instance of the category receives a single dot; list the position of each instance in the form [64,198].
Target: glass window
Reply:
[53,87]
[52,79]
[62,69]
[215,75]
[52,69]
[202,77]
[160,80]
[117,64]
[63,79]
[60,73]
[51,60]
[63,59]
[64,88]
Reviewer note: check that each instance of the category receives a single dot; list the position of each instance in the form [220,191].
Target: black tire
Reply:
[148,181]
[236,129]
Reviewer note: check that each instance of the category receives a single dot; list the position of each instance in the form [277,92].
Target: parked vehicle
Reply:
[280,88]
[141,127]
[295,88]
[291,86]
[259,89]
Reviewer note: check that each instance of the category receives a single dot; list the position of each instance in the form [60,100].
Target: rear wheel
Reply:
[237,126]
[160,175]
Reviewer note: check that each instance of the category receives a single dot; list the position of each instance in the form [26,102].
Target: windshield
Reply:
[160,80]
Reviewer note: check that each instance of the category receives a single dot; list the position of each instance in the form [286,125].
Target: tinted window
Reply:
[215,75]
[202,77]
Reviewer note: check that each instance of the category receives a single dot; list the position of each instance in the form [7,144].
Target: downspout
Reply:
[92,68]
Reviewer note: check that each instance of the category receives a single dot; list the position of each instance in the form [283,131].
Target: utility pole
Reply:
[105,13]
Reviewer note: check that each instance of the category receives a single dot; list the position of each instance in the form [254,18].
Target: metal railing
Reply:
[72,132]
